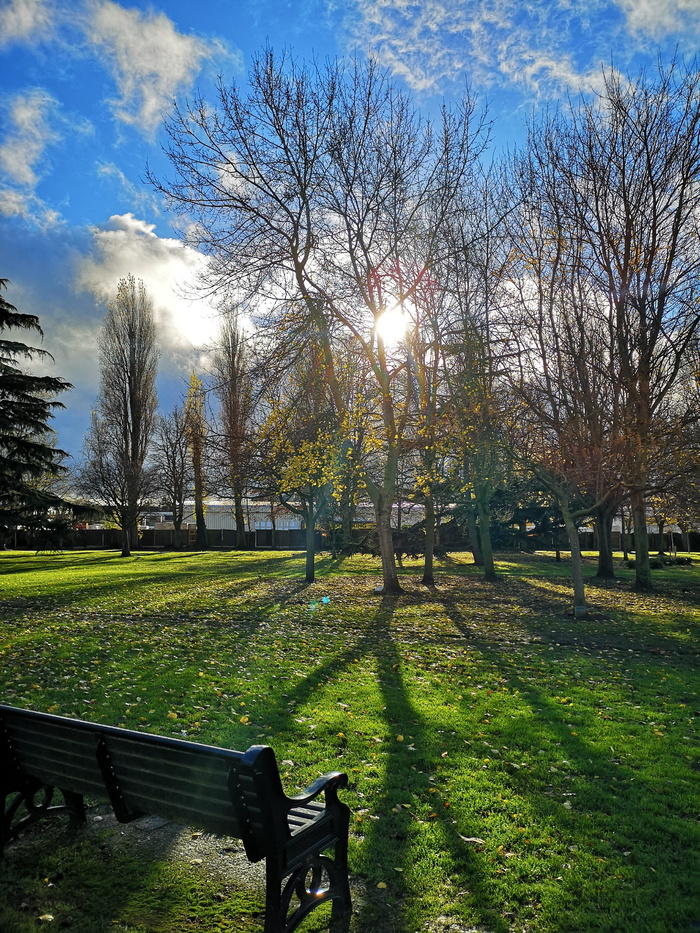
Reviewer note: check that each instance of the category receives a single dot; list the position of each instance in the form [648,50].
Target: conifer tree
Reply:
[29,458]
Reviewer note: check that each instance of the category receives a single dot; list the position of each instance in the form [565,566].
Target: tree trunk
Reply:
[576,565]
[623,534]
[428,576]
[126,545]
[390,577]
[556,547]
[202,541]
[474,537]
[604,516]
[310,542]
[273,527]
[522,534]
[346,533]
[642,569]
[483,507]
[199,501]
[661,525]
[239,517]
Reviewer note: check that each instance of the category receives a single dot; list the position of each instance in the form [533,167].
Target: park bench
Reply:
[224,792]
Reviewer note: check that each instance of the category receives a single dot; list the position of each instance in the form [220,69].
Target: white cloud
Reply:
[657,18]
[169,271]
[149,59]
[21,20]
[29,117]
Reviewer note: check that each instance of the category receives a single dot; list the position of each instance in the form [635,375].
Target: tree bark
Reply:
[661,524]
[202,541]
[126,546]
[474,537]
[239,516]
[623,534]
[483,508]
[604,516]
[390,577]
[576,565]
[642,568]
[428,575]
[310,543]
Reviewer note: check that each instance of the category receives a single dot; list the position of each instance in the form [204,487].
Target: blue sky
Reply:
[84,84]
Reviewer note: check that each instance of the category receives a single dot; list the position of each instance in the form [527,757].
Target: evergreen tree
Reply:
[28,458]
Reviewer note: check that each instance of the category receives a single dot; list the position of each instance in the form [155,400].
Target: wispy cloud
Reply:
[149,59]
[28,207]
[29,118]
[66,275]
[142,198]
[22,20]
[545,47]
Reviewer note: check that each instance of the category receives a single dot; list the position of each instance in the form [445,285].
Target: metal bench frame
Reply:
[225,792]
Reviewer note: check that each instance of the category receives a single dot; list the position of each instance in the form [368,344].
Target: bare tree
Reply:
[566,424]
[116,447]
[172,466]
[619,183]
[306,193]
[233,386]
[473,349]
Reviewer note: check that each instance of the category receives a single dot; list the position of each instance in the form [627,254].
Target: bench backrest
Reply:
[212,788]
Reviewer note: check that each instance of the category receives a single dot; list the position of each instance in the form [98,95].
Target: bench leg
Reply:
[342,903]
[75,806]
[36,801]
[305,884]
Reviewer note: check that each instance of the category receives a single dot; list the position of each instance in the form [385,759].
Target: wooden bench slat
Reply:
[58,757]
[197,786]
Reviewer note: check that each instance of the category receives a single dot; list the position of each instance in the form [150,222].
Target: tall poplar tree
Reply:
[196,433]
[114,470]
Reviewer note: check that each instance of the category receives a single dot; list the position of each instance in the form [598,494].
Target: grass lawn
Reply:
[511,768]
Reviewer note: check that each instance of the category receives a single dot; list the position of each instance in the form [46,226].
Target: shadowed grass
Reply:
[511,768]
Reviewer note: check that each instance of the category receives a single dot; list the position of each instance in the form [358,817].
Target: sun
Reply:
[391,326]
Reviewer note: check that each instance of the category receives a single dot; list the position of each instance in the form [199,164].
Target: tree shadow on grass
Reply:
[388,842]
[635,842]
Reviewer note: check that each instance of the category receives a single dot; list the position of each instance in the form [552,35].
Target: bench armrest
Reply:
[329,783]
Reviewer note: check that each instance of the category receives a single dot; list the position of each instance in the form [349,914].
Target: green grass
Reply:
[511,768]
